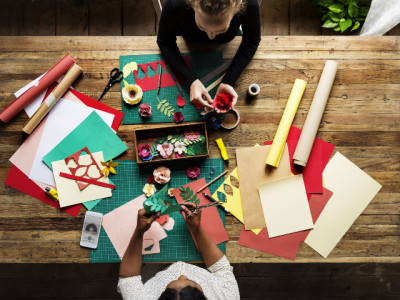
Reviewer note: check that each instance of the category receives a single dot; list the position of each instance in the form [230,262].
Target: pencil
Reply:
[212,181]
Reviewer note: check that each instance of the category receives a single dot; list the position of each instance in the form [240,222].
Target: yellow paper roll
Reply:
[275,153]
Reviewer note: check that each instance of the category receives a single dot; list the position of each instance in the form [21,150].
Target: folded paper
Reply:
[352,191]
[279,142]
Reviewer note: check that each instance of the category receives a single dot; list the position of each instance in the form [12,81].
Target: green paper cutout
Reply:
[93,133]
[188,195]
[157,203]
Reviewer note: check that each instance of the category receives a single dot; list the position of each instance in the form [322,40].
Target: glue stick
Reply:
[222,148]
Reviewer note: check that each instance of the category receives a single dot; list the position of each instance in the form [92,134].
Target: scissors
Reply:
[115,76]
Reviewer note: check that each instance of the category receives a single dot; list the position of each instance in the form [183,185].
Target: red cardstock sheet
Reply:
[319,157]
[19,181]
[210,220]
[285,246]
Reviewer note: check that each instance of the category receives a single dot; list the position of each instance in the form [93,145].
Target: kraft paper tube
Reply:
[275,153]
[52,98]
[310,128]
[26,98]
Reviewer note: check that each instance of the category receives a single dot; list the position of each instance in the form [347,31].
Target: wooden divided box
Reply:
[185,133]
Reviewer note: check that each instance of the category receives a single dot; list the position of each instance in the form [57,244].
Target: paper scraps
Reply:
[129,68]
[180,101]
[159,202]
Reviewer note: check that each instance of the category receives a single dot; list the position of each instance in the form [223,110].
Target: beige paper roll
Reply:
[52,98]
[310,128]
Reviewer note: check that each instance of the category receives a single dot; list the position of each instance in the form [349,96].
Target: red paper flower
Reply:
[178,117]
[145,110]
[193,172]
[151,180]
[144,151]
[223,101]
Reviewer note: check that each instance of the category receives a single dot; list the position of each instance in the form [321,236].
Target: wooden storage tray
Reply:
[142,136]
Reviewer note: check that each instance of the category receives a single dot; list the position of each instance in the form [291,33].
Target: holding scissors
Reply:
[115,76]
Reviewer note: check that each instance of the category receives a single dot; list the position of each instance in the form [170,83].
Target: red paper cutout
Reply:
[79,166]
[90,181]
[210,219]
[197,105]
[180,101]
[19,181]
[163,219]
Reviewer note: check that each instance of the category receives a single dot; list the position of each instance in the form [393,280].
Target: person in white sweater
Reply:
[180,280]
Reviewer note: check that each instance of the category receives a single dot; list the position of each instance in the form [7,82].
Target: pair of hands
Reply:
[199,94]
[193,218]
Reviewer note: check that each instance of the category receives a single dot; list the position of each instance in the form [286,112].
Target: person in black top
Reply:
[204,21]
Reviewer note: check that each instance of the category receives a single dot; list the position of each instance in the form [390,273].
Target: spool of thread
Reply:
[253,90]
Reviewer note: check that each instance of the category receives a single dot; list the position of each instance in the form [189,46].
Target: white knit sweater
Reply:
[217,283]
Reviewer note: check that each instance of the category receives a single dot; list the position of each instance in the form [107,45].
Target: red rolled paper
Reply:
[12,109]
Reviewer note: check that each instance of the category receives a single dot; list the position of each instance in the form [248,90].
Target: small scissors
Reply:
[115,76]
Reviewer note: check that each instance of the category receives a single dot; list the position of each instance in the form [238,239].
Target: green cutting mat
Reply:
[130,179]
[202,64]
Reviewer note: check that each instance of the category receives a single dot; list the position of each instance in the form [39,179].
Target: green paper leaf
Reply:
[163,101]
[182,189]
[345,24]
[159,105]
[197,202]
[169,114]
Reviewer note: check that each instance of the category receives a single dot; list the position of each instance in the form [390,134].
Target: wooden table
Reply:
[362,120]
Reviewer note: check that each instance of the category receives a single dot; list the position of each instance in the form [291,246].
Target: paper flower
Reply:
[179,147]
[145,110]
[109,167]
[132,94]
[192,135]
[171,192]
[149,190]
[177,155]
[193,172]
[165,149]
[162,175]
[151,180]
[223,101]
[178,117]
[144,151]
[213,120]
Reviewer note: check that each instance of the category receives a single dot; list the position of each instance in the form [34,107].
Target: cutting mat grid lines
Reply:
[202,64]
[130,179]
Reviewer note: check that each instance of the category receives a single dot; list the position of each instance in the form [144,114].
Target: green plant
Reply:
[340,15]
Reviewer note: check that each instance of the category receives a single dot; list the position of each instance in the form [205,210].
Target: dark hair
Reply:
[187,293]
[214,8]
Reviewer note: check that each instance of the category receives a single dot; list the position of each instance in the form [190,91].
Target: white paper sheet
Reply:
[285,206]
[353,190]
[383,15]
[64,117]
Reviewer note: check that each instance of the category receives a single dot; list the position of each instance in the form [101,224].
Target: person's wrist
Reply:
[195,229]
[138,233]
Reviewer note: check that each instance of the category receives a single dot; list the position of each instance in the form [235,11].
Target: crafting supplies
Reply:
[315,113]
[215,202]
[253,90]
[278,144]
[222,148]
[115,77]
[26,98]
[215,83]
[159,79]
[211,182]
[353,190]
[216,72]
[132,94]
[52,193]
[237,115]
[90,181]
[52,98]
[176,82]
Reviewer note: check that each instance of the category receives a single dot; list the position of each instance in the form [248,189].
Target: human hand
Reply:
[193,217]
[198,92]
[144,221]
[226,88]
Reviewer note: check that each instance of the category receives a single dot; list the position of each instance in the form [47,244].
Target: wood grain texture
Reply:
[72,17]
[10,17]
[139,18]
[105,17]
[304,19]
[274,17]
[38,17]
[361,119]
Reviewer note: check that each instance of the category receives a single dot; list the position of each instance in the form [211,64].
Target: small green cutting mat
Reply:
[202,64]
[130,179]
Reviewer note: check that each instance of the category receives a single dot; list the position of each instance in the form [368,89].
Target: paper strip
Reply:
[352,191]
[91,181]
[215,83]
[278,144]
[315,113]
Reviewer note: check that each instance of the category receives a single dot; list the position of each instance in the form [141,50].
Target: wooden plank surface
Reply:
[274,17]
[72,17]
[105,17]
[38,17]
[362,119]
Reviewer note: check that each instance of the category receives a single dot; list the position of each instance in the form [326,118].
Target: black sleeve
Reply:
[250,40]
[166,40]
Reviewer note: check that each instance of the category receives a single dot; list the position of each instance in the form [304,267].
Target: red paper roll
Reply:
[12,109]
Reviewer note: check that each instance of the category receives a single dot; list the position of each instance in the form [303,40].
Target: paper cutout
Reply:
[20,181]
[353,190]
[210,219]
[69,192]
[85,168]
[162,219]
[164,107]
[86,180]
[285,206]
[93,133]
[129,68]
[233,202]
[159,202]
[292,104]
[169,224]
[180,101]
[120,224]
[253,171]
